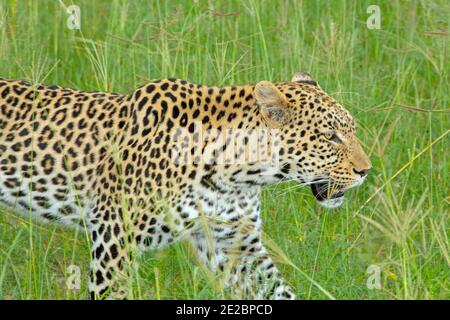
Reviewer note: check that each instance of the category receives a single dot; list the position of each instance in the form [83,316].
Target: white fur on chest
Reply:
[216,208]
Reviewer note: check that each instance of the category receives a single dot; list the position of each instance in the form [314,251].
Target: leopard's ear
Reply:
[303,77]
[272,102]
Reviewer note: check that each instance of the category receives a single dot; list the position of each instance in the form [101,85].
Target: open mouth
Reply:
[322,191]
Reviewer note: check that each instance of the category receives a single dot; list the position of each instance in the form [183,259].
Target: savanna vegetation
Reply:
[394,80]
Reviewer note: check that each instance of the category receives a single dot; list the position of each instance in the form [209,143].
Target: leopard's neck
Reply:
[207,119]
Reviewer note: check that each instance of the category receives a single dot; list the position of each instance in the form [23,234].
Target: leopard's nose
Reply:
[362,172]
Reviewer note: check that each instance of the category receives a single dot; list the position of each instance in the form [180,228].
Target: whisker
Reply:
[298,185]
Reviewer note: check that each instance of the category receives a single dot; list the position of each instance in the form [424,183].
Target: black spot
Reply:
[98,277]
[114,251]
[175,112]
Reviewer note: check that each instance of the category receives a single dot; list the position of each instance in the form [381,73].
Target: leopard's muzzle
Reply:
[328,195]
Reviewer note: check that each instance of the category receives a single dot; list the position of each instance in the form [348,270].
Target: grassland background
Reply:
[395,81]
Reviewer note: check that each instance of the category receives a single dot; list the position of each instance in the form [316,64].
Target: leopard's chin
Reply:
[332,203]
[324,198]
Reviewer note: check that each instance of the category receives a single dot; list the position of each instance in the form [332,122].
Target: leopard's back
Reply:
[51,142]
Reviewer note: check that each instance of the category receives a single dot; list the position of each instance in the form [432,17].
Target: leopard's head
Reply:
[317,141]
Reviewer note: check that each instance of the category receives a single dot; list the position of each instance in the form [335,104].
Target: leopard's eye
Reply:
[332,136]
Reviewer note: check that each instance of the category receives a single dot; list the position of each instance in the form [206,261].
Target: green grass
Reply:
[395,81]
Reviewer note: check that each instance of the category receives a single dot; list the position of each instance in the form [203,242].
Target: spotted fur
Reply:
[114,164]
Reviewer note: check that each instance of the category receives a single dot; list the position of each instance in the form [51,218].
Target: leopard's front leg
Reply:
[237,254]
[112,254]
[258,275]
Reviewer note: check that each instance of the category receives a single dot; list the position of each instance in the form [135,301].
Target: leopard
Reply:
[171,161]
